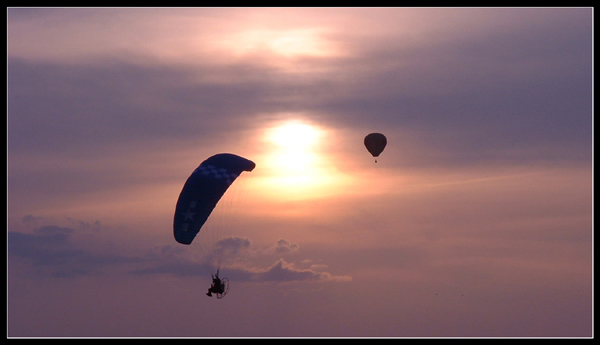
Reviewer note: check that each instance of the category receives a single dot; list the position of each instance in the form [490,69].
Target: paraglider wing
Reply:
[202,190]
[375,143]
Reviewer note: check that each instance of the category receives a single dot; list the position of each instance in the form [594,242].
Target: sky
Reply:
[476,220]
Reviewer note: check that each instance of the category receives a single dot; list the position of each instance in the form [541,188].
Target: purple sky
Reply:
[475,222]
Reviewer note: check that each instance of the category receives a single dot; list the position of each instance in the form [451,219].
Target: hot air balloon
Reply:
[203,190]
[375,143]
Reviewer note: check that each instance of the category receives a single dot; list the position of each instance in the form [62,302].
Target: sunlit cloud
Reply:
[283,44]
[288,51]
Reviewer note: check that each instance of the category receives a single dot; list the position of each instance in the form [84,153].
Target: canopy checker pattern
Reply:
[211,170]
[203,190]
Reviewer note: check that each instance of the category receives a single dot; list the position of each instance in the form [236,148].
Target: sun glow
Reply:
[299,50]
[294,145]
[294,165]
[283,43]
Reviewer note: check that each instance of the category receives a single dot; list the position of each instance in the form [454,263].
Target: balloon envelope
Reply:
[202,190]
[375,143]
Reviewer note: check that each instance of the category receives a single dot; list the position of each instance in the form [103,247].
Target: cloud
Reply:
[232,245]
[107,104]
[535,103]
[282,247]
[227,250]
[282,271]
[55,250]
[246,265]
[50,249]
[476,95]
[239,261]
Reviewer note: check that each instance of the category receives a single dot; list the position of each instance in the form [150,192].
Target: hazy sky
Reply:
[475,222]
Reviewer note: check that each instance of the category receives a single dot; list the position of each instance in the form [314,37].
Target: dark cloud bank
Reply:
[51,251]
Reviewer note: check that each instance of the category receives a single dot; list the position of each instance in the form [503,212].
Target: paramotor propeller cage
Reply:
[225,288]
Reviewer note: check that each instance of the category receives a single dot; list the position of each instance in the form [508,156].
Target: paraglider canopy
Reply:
[375,143]
[202,190]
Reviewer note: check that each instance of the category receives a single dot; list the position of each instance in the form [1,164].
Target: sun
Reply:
[295,164]
[294,146]
[294,135]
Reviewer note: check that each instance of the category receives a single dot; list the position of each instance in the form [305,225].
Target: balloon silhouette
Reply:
[375,143]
